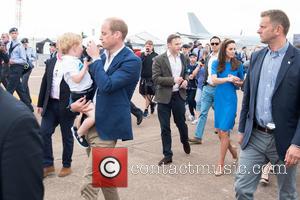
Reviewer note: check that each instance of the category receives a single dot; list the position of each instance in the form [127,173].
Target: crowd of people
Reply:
[88,86]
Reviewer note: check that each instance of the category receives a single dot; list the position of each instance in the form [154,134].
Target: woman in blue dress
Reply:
[227,74]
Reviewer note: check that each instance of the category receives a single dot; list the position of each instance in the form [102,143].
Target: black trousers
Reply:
[24,82]
[14,84]
[135,110]
[4,73]
[51,119]
[191,100]
[177,107]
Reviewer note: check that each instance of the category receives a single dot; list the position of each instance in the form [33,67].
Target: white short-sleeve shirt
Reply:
[71,66]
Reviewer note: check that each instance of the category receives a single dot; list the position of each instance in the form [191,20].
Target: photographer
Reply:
[4,68]
[17,59]
[146,87]
[30,57]
[3,58]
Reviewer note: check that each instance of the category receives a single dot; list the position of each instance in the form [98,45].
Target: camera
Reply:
[85,55]
[85,43]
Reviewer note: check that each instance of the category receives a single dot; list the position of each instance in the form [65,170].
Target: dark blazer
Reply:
[45,90]
[285,100]
[4,57]
[21,151]
[164,80]
[115,89]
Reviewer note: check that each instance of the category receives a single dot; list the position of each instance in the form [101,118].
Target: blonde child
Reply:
[79,80]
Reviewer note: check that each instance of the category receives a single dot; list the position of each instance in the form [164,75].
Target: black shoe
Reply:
[79,139]
[139,118]
[187,148]
[165,161]
[152,107]
[145,114]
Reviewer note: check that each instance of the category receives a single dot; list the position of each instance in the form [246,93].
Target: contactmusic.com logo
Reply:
[110,167]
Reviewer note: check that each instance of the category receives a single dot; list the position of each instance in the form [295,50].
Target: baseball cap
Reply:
[192,54]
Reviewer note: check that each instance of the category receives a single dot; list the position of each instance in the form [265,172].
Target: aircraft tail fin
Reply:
[196,26]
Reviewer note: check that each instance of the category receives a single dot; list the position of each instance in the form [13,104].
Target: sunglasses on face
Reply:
[214,43]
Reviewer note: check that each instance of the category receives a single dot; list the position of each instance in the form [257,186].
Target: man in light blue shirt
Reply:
[30,57]
[269,125]
[17,59]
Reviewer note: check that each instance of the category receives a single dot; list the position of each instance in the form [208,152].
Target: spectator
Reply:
[21,155]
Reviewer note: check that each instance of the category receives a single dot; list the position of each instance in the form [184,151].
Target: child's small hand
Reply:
[86,63]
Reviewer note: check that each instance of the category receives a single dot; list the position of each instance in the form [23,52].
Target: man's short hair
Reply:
[117,24]
[172,37]
[149,42]
[186,46]
[278,17]
[215,37]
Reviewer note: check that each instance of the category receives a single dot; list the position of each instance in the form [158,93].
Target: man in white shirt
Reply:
[208,91]
[116,74]
[30,57]
[168,73]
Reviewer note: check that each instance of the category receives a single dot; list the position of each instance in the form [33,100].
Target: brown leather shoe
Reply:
[49,171]
[65,171]
[195,141]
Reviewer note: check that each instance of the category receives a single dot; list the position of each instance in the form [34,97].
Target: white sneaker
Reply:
[191,118]
[195,122]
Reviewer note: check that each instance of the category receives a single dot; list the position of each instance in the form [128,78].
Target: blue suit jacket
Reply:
[115,89]
[285,100]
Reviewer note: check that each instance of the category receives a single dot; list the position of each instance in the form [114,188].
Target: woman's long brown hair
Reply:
[222,57]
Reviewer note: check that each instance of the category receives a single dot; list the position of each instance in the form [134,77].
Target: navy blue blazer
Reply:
[21,151]
[115,89]
[285,100]
[45,91]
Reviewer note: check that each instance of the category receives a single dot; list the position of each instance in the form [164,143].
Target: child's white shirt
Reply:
[72,66]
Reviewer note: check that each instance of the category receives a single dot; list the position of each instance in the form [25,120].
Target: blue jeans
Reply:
[260,150]
[50,121]
[207,101]
[198,99]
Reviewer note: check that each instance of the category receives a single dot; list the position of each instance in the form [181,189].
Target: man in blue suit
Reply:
[116,74]
[270,116]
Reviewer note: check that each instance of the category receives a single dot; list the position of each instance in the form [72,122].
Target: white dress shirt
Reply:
[57,78]
[176,67]
[211,60]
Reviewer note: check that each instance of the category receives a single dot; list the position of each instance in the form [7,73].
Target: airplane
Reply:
[199,32]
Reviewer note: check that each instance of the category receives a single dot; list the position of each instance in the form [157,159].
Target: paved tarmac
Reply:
[146,149]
